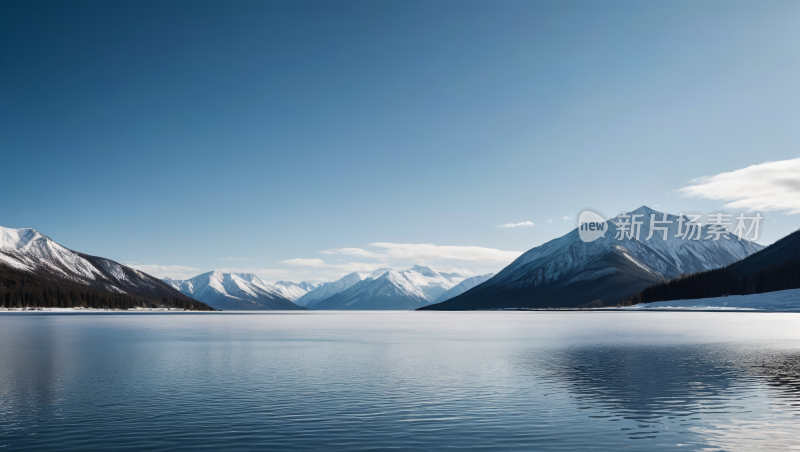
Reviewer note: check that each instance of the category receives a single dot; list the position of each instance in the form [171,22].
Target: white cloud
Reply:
[348,267]
[166,271]
[305,262]
[567,218]
[549,221]
[516,225]
[353,252]
[426,252]
[764,187]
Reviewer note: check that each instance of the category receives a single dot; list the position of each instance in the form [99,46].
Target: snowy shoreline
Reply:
[781,301]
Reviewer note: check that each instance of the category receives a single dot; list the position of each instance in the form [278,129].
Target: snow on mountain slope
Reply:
[290,290]
[784,300]
[329,289]
[233,291]
[375,274]
[391,291]
[567,272]
[432,283]
[308,286]
[463,286]
[32,251]
[27,249]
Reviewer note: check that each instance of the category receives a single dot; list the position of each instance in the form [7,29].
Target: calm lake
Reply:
[400,380]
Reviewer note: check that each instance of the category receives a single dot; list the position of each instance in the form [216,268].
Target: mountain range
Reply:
[564,272]
[383,288]
[67,278]
[234,291]
[568,272]
[388,289]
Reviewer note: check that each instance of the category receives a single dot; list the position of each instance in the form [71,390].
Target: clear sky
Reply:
[178,136]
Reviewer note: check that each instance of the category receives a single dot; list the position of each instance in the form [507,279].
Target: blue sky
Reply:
[181,135]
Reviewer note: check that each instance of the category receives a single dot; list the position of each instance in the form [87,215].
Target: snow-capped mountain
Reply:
[329,289]
[392,290]
[388,289]
[567,272]
[432,283]
[463,286]
[31,251]
[289,290]
[233,291]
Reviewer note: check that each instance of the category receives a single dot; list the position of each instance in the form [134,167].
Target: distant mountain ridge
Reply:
[234,291]
[567,272]
[308,286]
[329,289]
[290,290]
[386,289]
[389,291]
[31,255]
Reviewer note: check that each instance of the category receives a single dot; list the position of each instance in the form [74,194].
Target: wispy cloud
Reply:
[764,187]
[354,252]
[567,218]
[359,266]
[348,267]
[516,225]
[165,271]
[427,252]
[549,221]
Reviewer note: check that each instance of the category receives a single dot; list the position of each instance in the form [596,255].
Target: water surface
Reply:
[402,381]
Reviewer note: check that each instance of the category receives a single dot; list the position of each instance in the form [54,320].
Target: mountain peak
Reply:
[390,273]
[568,272]
[392,290]
[11,238]
[425,271]
[645,210]
[377,273]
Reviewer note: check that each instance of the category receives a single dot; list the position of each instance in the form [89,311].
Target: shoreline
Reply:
[626,309]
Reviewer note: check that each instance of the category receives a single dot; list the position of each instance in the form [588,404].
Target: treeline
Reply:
[21,289]
[774,268]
